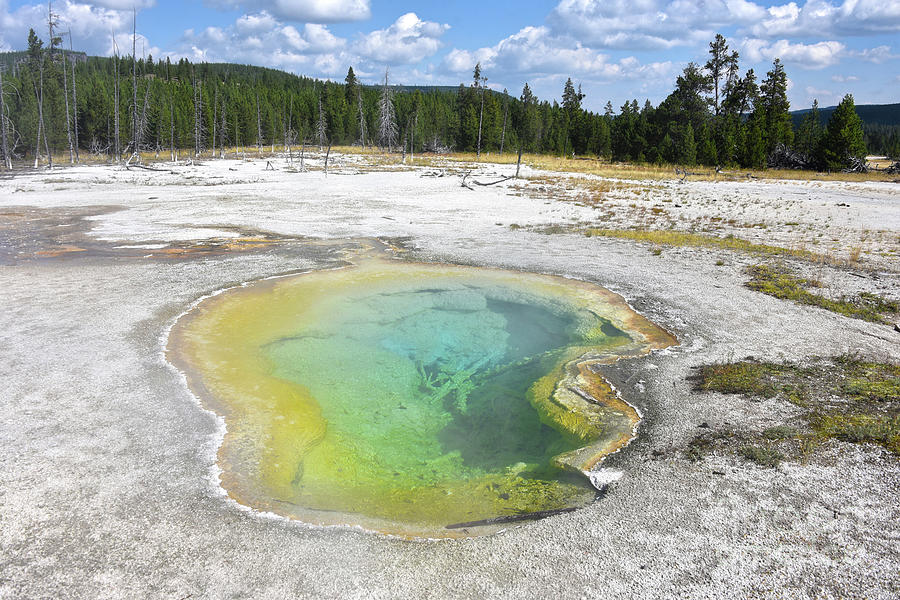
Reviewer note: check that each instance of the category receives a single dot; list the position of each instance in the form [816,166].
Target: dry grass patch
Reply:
[669,237]
[845,397]
[778,282]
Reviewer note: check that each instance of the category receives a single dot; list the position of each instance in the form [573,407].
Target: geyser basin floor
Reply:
[408,397]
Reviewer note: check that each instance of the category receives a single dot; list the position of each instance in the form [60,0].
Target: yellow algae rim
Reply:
[593,388]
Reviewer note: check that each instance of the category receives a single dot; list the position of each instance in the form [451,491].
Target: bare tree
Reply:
[4,135]
[38,61]
[172,129]
[362,119]
[387,123]
[223,130]
[198,116]
[215,122]
[289,131]
[68,114]
[321,126]
[74,101]
[505,114]
[135,126]
[258,128]
[142,123]
[117,148]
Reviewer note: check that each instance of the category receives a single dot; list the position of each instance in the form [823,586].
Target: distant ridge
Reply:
[871,114]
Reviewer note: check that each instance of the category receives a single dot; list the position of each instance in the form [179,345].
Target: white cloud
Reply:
[877,55]
[844,79]
[263,40]
[303,11]
[820,18]
[92,27]
[408,40]
[536,54]
[807,56]
[649,23]
[125,5]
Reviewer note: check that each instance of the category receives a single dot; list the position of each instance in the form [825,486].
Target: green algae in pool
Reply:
[406,397]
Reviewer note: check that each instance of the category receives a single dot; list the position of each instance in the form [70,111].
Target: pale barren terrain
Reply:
[108,481]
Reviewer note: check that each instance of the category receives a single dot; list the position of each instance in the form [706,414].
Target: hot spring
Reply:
[413,399]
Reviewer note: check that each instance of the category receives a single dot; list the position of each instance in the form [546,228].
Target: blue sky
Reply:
[616,49]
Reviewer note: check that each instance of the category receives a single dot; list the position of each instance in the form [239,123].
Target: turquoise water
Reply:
[435,378]
[412,397]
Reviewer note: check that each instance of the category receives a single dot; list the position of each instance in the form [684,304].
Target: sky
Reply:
[616,50]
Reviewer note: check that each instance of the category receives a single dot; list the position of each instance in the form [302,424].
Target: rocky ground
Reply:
[108,482]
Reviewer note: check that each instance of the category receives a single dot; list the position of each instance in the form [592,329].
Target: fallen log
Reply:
[501,180]
[146,168]
[463,182]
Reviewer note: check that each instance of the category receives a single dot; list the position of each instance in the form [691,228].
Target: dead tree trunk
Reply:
[258,128]
[327,154]
[321,132]
[289,134]
[74,102]
[387,124]
[198,117]
[118,151]
[480,118]
[39,95]
[505,114]
[518,162]
[215,120]
[68,114]
[412,136]
[4,135]
[222,131]
[135,126]
[362,119]
[142,124]
[172,129]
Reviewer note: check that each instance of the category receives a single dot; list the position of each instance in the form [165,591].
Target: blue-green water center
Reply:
[409,398]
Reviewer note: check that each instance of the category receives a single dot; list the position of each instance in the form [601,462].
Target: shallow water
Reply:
[405,397]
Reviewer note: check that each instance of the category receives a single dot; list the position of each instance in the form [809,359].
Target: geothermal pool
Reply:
[413,399]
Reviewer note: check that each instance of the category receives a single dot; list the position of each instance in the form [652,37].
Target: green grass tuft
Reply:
[777,282]
[847,398]
[765,457]
[860,427]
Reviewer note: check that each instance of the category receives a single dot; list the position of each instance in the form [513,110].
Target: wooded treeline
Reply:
[716,115]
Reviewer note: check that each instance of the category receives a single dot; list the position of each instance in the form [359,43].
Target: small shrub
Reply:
[860,427]
[779,283]
[744,377]
[765,457]
[779,432]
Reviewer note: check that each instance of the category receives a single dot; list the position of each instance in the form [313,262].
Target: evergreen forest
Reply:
[59,102]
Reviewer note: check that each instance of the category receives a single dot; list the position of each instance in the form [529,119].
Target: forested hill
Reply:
[871,114]
[57,101]
[881,125]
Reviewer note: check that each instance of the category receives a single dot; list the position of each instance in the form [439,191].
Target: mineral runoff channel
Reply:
[419,400]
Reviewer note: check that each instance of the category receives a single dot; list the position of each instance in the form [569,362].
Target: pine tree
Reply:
[478,84]
[688,154]
[775,107]
[810,131]
[754,144]
[528,130]
[843,138]
[721,63]
[706,147]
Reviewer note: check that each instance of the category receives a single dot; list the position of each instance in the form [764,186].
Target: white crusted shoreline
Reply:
[108,481]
